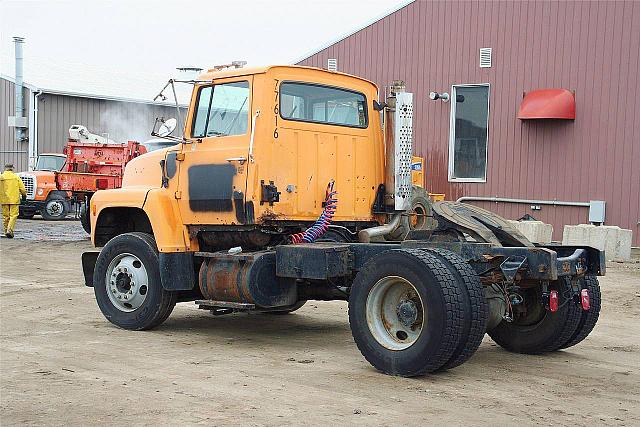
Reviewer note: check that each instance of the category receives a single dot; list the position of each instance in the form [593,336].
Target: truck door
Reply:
[212,172]
[323,135]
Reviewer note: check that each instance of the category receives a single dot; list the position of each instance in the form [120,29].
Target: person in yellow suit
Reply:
[11,188]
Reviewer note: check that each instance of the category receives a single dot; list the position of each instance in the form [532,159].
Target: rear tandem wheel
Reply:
[406,312]
[538,330]
[589,317]
[475,304]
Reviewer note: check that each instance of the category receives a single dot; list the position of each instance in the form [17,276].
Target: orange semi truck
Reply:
[294,184]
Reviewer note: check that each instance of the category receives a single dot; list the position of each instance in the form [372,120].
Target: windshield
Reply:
[222,110]
[50,163]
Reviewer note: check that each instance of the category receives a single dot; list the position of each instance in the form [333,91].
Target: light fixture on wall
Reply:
[434,96]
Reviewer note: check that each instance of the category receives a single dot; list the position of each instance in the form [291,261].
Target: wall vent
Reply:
[332,64]
[485,57]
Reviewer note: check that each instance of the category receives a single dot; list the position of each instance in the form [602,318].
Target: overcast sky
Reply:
[74,43]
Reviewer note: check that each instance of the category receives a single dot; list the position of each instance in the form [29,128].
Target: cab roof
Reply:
[235,72]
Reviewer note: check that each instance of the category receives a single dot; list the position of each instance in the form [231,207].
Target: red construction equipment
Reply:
[62,182]
[91,167]
[93,163]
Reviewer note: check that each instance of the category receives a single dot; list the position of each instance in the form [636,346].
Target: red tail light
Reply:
[553,301]
[584,299]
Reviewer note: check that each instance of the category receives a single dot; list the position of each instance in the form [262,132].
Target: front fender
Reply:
[160,207]
[169,231]
[130,197]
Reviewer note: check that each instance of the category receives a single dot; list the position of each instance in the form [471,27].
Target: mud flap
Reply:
[88,265]
[176,271]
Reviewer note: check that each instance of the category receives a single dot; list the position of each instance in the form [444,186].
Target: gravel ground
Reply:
[62,363]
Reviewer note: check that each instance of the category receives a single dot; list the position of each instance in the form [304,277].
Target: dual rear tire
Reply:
[416,311]
[540,331]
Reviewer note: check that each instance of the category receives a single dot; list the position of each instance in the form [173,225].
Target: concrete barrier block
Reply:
[625,239]
[615,241]
[535,231]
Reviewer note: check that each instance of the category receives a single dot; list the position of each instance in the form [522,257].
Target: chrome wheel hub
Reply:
[54,208]
[127,282]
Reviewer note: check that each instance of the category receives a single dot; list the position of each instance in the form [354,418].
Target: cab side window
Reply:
[315,103]
[222,110]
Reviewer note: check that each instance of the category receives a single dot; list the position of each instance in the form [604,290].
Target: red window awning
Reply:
[548,104]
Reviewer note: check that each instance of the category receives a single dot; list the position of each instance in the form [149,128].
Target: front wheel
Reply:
[127,284]
[55,208]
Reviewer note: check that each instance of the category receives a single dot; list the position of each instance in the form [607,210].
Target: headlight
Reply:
[40,191]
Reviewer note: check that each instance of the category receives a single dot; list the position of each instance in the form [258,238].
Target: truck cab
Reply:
[42,194]
[260,147]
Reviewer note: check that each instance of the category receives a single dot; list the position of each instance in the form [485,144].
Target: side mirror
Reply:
[166,126]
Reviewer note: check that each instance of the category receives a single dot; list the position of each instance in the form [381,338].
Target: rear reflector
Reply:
[553,301]
[584,299]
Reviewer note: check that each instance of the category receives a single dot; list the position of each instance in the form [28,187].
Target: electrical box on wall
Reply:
[17,122]
[596,211]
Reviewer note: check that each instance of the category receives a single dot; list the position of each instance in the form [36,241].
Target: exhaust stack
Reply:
[398,139]
[19,121]
[398,147]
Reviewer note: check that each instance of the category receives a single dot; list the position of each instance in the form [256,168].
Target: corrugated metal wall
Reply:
[589,47]
[10,150]
[120,120]
[56,113]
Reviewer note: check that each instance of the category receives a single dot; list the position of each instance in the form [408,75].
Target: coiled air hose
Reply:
[321,225]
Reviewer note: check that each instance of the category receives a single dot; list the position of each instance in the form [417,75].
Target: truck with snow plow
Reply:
[292,184]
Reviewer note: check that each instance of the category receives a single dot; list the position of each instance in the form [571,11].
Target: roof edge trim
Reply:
[90,95]
[12,80]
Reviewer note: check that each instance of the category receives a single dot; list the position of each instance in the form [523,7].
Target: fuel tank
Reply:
[246,278]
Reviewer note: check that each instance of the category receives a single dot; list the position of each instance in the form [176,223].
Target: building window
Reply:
[468,133]
[307,102]
[222,110]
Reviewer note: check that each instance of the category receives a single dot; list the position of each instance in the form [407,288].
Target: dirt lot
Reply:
[63,363]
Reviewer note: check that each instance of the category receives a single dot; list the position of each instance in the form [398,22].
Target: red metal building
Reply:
[487,56]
